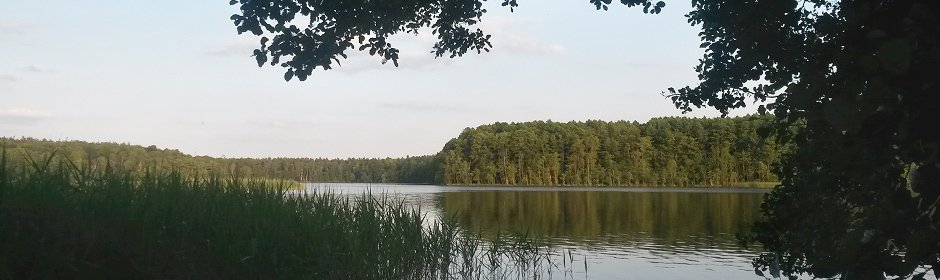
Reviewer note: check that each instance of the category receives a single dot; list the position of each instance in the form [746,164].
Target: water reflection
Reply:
[612,233]
[623,235]
[585,216]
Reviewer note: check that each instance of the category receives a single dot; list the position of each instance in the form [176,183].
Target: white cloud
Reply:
[421,107]
[278,124]
[8,28]
[509,35]
[414,54]
[34,69]
[22,116]
[408,59]
[514,36]
[9,78]
[239,46]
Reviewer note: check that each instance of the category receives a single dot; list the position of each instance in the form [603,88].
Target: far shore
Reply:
[750,187]
[744,185]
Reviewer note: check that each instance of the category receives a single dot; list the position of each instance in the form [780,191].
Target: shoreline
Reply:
[448,188]
[743,185]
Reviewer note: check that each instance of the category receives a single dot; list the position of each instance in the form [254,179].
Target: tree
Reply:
[852,84]
[331,28]
[664,151]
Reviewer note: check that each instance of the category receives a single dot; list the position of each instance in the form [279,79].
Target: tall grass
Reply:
[63,220]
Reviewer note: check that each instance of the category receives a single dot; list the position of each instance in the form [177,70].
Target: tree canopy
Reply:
[661,152]
[858,81]
[851,83]
[311,34]
[418,169]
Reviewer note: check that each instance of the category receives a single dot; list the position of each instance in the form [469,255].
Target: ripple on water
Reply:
[658,235]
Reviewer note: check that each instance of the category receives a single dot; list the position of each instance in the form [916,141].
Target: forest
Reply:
[354,170]
[849,87]
[673,151]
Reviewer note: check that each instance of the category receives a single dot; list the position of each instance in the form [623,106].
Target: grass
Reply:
[62,220]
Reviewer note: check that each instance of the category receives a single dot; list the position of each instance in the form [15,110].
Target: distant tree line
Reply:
[418,169]
[671,151]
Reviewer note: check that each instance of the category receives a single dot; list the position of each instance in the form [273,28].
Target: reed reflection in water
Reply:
[617,233]
[650,235]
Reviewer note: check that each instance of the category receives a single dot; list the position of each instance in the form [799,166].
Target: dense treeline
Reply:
[358,170]
[671,151]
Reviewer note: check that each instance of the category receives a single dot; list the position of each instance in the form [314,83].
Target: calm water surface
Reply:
[620,233]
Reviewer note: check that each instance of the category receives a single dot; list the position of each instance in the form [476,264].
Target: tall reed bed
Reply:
[62,220]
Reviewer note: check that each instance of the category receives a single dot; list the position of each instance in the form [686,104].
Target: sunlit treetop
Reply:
[301,35]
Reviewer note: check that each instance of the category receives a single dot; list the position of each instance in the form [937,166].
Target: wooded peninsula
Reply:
[669,151]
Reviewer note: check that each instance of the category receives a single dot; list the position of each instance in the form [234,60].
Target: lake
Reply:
[611,233]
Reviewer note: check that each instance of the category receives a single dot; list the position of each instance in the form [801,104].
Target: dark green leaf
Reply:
[896,56]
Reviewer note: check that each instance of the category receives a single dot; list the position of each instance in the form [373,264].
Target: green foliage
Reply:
[311,34]
[59,221]
[661,152]
[851,84]
[361,170]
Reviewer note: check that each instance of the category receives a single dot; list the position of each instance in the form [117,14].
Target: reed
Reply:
[65,220]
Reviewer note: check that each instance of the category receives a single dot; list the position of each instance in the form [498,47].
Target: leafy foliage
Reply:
[857,79]
[418,169]
[852,84]
[310,34]
[661,152]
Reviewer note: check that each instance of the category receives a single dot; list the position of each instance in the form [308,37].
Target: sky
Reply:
[176,74]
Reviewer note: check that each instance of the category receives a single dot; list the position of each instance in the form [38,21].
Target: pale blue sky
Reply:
[174,74]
